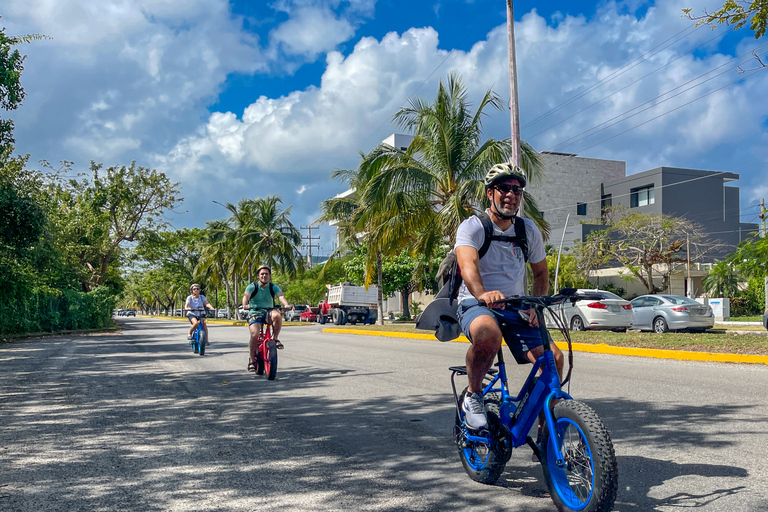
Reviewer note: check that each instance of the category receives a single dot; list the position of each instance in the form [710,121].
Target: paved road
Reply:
[135,421]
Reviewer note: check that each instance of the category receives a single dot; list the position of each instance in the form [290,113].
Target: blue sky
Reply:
[244,99]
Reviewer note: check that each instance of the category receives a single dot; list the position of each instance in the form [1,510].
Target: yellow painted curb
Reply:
[599,348]
[208,320]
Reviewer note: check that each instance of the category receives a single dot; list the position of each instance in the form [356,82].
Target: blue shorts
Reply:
[518,334]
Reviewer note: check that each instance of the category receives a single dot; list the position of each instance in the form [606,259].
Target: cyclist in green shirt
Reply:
[259,301]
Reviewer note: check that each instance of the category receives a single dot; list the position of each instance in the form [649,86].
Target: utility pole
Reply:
[690,293]
[515,157]
[762,215]
[514,112]
[309,243]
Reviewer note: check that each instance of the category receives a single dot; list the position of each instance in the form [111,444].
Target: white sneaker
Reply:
[474,411]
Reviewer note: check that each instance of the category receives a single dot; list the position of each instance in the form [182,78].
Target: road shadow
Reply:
[88,428]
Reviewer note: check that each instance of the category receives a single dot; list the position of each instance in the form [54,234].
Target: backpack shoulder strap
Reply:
[522,237]
[488,231]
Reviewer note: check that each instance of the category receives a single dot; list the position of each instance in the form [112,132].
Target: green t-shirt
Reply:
[261,298]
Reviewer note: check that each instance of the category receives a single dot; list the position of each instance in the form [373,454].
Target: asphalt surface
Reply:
[135,421]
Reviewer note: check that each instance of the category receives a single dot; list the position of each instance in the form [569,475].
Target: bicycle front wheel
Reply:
[589,478]
[201,342]
[270,362]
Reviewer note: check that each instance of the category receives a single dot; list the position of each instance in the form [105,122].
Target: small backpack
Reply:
[449,274]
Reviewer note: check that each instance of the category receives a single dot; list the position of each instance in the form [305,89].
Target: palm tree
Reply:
[425,192]
[358,222]
[257,232]
[722,280]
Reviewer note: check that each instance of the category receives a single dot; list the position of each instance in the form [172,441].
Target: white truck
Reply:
[349,303]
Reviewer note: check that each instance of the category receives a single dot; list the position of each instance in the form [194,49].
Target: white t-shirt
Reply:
[502,268]
[196,304]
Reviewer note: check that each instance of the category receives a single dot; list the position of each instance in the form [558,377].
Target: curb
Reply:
[599,348]
[207,320]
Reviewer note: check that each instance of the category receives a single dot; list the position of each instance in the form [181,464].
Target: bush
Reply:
[50,310]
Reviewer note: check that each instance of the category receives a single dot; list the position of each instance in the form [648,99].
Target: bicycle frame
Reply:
[518,413]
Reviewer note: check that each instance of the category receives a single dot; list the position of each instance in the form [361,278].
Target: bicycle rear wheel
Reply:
[270,362]
[589,478]
[483,462]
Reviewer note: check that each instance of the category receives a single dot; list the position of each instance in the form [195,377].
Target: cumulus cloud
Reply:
[138,84]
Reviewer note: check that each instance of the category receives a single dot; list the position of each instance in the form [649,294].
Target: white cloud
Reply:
[124,80]
[311,32]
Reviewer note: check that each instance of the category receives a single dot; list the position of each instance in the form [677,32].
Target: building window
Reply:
[581,208]
[642,196]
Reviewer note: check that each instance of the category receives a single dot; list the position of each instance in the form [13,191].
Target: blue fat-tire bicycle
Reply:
[575,449]
[198,335]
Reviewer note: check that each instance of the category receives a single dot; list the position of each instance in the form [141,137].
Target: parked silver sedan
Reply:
[602,310]
[662,313]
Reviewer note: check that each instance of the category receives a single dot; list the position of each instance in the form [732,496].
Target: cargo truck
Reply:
[349,303]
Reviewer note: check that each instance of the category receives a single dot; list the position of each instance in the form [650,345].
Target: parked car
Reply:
[765,319]
[309,314]
[129,312]
[610,312]
[662,313]
[294,313]
[222,313]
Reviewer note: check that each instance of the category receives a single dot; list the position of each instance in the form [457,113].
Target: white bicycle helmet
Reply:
[504,171]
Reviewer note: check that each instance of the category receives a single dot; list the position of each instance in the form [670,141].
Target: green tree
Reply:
[737,13]
[397,275]
[257,232]
[722,280]
[429,189]
[11,92]
[95,218]
[644,243]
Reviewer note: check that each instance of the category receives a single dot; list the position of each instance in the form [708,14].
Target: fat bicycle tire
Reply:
[195,344]
[270,364]
[483,463]
[201,342]
[589,479]
[259,362]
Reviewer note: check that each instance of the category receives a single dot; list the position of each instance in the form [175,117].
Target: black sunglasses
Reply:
[507,188]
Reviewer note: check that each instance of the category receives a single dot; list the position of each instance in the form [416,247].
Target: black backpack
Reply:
[449,275]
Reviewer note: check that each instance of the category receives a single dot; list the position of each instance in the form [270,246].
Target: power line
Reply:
[625,87]
[587,134]
[617,73]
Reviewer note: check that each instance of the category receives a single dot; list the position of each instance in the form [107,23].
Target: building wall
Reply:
[696,195]
[571,180]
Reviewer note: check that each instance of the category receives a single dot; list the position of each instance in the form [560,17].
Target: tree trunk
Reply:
[380,282]
[404,294]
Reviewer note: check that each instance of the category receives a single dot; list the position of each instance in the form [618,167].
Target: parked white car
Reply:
[611,312]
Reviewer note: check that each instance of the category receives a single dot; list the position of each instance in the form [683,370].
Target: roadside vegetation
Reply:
[74,245]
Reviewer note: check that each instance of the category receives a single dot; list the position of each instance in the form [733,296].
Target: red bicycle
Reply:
[264,354]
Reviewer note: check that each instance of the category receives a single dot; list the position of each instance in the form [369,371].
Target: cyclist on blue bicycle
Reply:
[259,300]
[498,275]
[194,306]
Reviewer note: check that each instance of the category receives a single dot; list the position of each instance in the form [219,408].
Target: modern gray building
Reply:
[696,195]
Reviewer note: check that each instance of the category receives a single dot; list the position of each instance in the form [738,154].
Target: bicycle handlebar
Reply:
[565,295]
[204,311]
